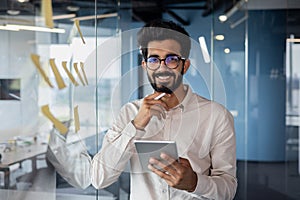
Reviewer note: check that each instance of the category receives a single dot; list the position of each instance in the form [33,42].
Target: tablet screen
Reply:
[149,148]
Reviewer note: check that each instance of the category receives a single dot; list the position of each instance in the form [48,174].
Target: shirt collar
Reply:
[186,99]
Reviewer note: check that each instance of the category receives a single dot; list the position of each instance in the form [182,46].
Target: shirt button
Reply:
[164,190]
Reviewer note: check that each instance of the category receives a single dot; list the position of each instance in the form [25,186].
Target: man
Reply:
[203,130]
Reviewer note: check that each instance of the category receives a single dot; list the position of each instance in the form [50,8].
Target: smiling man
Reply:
[164,80]
[203,130]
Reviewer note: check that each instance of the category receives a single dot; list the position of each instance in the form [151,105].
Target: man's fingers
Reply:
[158,111]
[152,100]
[164,165]
[167,158]
[158,164]
[161,172]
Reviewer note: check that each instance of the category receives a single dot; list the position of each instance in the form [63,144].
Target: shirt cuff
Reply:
[137,128]
[130,133]
[203,186]
[138,133]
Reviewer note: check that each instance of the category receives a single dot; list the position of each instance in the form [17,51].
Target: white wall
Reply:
[18,117]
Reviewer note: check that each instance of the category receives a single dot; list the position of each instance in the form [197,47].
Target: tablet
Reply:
[149,148]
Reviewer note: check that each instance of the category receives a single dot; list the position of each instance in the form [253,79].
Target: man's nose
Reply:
[163,63]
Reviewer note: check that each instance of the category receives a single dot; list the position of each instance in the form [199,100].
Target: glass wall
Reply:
[230,56]
[65,61]
[257,64]
[60,91]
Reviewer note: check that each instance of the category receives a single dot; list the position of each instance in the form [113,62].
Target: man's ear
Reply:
[144,65]
[186,66]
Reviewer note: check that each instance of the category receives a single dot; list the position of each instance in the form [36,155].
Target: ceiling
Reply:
[141,10]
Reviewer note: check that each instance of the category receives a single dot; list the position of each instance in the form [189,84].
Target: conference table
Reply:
[19,154]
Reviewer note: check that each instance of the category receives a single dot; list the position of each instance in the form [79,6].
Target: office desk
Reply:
[19,154]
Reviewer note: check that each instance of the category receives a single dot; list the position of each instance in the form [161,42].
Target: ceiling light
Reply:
[13,12]
[222,18]
[219,37]
[93,17]
[23,1]
[73,8]
[204,49]
[5,28]
[293,40]
[35,28]
[227,50]
[67,16]
[232,11]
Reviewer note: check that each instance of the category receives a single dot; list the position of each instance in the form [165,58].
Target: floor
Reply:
[256,181]
[262,181]
[268,180]
[88,194]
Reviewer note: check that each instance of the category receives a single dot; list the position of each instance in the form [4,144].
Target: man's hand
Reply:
[178,174]
[150,107]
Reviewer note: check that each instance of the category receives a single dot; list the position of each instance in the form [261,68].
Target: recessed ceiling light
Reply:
[222,18]
[227,50]
[219,37]
[23,1]
[13,12]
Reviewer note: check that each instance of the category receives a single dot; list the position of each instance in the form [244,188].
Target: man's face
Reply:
[164,79]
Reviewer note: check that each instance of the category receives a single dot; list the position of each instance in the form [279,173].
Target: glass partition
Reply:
[62,86]
[257,64]
[65,58]
[230,57]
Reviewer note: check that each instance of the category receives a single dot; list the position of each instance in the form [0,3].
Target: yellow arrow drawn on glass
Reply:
[36,60]
[78,73]
[59,80]
[57,124]
[71,77]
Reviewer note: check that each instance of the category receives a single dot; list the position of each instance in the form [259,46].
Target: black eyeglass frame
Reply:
[164,59]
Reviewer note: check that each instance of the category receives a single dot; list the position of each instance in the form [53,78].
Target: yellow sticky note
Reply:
[76,119]
[47,12]
[78,73]
[36,60]
[70,75]
[60,82]
[76,21]
[57,124]
[84,75]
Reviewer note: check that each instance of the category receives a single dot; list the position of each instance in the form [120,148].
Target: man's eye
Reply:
[152,60]
[172,59]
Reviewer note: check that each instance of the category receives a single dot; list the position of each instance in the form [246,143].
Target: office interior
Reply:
[77,62]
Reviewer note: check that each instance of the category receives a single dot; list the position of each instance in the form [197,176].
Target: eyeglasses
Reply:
[171,61]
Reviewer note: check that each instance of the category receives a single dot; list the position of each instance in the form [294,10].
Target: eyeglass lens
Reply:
[170,61]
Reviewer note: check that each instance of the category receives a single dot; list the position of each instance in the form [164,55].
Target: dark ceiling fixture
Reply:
[143,10]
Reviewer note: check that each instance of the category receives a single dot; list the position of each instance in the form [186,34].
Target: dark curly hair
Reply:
[162,30]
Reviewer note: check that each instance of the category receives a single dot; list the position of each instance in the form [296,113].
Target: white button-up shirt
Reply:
[204,134]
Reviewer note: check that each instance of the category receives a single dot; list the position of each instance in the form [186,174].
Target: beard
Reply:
[167,87]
